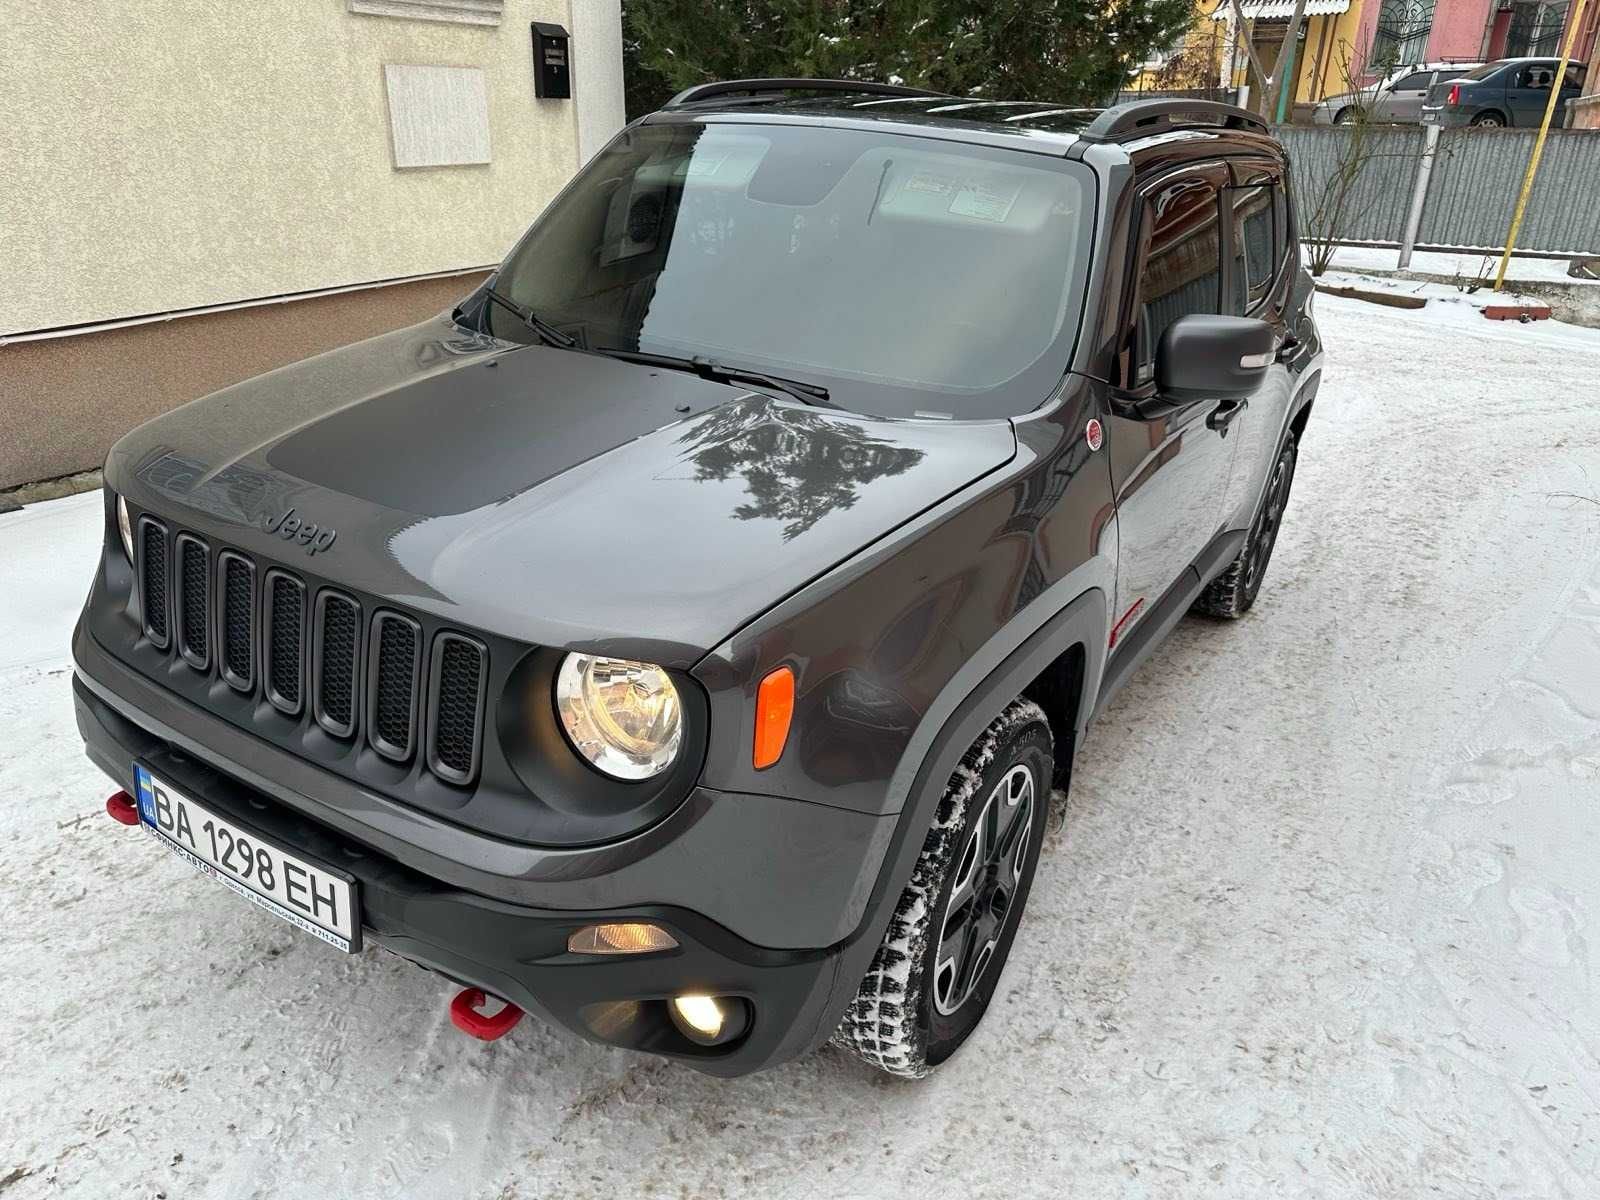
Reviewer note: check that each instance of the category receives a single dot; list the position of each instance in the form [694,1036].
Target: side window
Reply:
[1417,81]
[1536,77]
[1182,268]
[1257,246]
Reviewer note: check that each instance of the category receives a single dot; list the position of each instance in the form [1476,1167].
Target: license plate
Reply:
[318,900]
[1429,118]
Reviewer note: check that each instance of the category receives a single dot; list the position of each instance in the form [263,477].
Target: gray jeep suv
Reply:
[682,638]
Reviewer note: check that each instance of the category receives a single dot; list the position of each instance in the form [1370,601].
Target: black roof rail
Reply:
[755,87]
[1140,118]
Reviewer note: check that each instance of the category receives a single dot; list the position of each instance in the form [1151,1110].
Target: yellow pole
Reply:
[1538,146]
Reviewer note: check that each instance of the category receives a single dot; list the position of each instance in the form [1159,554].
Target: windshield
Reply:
[903,274]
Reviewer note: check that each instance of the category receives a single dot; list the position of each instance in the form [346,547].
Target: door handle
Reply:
[1220,417]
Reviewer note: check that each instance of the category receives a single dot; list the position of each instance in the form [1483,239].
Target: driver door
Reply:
[1402,103]
[1169,471]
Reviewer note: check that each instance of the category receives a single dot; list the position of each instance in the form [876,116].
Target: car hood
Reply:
[552,496]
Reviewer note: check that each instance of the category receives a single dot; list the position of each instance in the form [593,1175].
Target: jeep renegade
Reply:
[683,637]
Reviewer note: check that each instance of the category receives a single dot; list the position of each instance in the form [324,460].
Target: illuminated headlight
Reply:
[622,716]
[125,527]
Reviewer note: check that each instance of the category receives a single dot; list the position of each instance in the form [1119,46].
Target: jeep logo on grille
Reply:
[295,529]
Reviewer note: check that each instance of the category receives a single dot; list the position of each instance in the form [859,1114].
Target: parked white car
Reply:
[1395,100]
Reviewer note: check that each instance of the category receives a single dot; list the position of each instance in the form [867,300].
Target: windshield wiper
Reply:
[545,331]
[720,372]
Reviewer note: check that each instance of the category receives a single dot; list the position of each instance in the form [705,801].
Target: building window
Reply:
[1536,29]
[463,12]
[1401,37]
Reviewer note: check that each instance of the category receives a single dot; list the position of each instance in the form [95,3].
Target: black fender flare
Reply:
[1083,621]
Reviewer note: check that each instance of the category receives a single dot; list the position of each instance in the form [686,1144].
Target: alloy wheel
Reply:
[1268,521]
[988,875]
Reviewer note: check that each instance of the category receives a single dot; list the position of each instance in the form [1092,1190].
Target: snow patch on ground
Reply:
[1366,259]
[1317,924]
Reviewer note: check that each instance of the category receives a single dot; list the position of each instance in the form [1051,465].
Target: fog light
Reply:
[710,1020]
[621,937]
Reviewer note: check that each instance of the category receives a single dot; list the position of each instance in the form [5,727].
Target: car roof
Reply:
[1041,127]
[1034,120]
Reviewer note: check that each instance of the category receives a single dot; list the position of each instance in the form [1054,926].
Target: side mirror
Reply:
[1202,357]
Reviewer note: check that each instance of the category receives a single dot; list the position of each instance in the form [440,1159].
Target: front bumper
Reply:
[508,948]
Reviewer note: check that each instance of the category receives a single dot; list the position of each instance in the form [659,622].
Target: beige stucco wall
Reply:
[163,154]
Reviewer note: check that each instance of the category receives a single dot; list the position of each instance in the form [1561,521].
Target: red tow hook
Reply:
[121,807]
[465,1017]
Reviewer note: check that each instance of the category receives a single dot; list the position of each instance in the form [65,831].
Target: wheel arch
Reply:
[1061,661]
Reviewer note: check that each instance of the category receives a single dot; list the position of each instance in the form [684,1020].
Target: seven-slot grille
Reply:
[316,656]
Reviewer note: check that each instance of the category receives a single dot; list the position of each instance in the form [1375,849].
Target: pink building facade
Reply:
[1409,31]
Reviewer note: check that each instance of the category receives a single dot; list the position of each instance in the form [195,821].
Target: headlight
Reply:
[623,716]
[125,527]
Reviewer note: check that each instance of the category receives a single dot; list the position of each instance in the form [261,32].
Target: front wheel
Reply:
[1231,594]
[941,957]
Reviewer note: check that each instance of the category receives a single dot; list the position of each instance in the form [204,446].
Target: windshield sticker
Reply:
[703,164]
[935,184]
[986,199]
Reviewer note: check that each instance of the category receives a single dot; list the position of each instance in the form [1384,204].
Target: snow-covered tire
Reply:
[895,1022]
[1231,594]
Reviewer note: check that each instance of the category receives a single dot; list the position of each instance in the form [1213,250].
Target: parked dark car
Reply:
[1509,92]
[683,636]
[1395,100]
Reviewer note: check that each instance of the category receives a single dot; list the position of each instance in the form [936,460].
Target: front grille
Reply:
[314,654]
[238,626]
[194,602]
[284,653]
[392,707]
[335,653]
[455,690]
[153,581]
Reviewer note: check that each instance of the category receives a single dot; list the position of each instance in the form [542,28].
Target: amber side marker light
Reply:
[774,711]
[620,937]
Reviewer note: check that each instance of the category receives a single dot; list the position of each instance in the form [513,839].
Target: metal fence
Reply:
[1469,193]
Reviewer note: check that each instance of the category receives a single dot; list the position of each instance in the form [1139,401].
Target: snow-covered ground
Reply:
[1316,922]
[1469,266]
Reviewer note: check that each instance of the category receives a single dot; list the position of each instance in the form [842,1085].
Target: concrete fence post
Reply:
[1419,194]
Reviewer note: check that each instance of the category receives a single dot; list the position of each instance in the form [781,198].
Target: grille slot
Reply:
[153,577]
[335,656]
[194,601]
[236,576]
[284,653]
[456,679]
[394,662]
